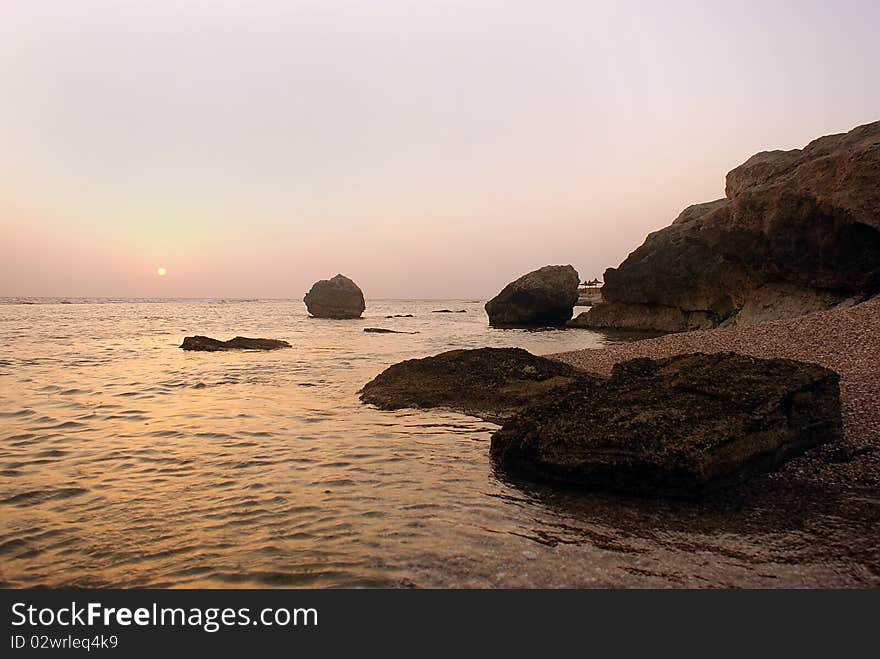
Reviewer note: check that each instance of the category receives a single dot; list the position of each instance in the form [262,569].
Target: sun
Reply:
[161,271]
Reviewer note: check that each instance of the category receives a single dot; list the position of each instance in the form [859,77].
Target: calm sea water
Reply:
[125,461]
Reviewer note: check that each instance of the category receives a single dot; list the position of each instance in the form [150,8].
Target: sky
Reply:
[427,149]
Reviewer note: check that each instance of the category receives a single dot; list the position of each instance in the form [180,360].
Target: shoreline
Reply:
[823,506]
[845,340]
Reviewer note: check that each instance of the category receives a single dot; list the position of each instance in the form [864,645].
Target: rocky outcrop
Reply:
[678,426]
[207,344]
[635,317]
[338,297]
[542,298]
[798,231]
[491,383]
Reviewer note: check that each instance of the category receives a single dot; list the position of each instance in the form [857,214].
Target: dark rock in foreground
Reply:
[798,232]
[491,383]
[382,330]
[542,298]
[338,298]
[207,344]
[678,426]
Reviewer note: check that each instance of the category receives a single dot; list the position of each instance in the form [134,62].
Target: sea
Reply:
[128,462]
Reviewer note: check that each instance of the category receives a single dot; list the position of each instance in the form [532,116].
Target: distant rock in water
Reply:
[401,315]
[678,426]
[491,383]
[798,232]
[542,298]
[449,311]
[381,330]
[207,344]
[338,298]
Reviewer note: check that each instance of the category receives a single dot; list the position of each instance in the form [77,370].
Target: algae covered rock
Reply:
[678,426]
[491,383]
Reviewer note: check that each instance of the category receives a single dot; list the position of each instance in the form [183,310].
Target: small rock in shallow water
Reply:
[207,344]
[380,330]
[491,383]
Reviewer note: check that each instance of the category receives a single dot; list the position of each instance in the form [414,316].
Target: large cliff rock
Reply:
[799,231]
[678,426]
[338,297]
[543,298]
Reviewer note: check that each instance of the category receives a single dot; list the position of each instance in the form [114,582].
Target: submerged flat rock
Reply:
[207,344]
[491,383]
[382,330]
[674,427]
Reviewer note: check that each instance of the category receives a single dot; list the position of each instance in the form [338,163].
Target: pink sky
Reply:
[425,149]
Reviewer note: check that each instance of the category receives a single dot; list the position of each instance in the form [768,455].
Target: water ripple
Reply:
[126,462]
